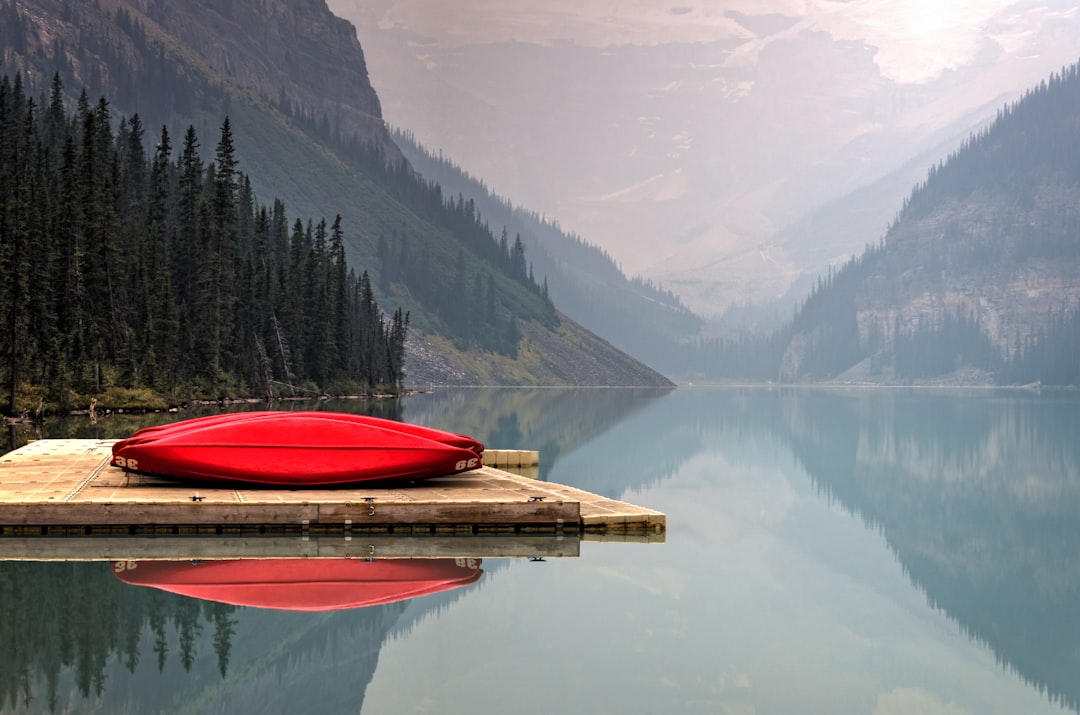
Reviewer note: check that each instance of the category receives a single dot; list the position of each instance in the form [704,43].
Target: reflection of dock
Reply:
[325,546]
[67,487]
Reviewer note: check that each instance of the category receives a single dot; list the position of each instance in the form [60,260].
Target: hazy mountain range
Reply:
[976,281]
[803,160]
[708,147]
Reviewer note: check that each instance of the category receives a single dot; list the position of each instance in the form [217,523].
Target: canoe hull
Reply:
[451,438]
[293,450]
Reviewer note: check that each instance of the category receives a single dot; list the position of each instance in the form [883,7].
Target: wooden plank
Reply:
[382,514]
[141,548]
[436,512]
[625,537]
[143,513]
[511,458]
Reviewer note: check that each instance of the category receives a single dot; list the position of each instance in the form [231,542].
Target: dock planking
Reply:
[68,487]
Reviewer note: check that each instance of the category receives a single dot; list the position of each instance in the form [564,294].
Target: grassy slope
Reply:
[568,355]
[585,283]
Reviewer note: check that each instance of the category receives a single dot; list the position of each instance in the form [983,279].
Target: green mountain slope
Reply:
[585,282]
[307,130]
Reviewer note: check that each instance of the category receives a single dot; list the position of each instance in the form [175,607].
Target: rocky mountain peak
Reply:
[292,50]
[293,53]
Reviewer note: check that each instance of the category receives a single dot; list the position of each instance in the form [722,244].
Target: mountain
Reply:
[937,478]
[585,283]
[686,140]
[978,278]
[832,235]
[308,130]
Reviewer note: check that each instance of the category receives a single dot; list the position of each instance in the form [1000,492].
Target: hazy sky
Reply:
[694,140]
[915,39]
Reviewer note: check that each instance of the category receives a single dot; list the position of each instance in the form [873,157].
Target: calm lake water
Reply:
[863,551]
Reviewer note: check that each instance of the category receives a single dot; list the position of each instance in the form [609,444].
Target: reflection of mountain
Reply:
[651,444]
[551,420]
[980,499]
[77,639]
[66,626]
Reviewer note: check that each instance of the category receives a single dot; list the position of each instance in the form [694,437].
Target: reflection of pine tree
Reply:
[156,618]
[131,621]
[44,636]
[186,616]
[221,616]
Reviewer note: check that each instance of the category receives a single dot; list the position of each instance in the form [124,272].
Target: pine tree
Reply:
[163,319]
[221,262]
[339,296]
[187,250]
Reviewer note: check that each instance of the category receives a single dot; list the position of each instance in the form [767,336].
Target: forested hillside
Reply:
[124,270]
[584,282]
[976,281]
[306,132]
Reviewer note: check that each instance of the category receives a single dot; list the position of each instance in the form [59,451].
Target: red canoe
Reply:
[292,449]
[302,584]
[456,440]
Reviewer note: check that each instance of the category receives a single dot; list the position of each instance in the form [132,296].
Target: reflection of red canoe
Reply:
[292,449]
[302,584]
[437,435]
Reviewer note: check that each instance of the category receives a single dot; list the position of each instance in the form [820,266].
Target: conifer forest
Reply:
[159,271]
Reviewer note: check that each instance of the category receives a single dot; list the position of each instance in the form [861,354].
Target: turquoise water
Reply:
[827,552]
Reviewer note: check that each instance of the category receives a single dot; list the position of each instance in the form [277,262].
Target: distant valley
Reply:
[700,164]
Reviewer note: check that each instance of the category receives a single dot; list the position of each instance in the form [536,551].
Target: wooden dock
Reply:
[67,487]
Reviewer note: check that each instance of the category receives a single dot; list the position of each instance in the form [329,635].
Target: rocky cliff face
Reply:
[976,259]
[291,49]
[292,53]
[295,50]
[980,271]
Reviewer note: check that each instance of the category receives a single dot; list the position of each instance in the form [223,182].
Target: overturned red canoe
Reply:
[451,438]
[292,449]
[302,584]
